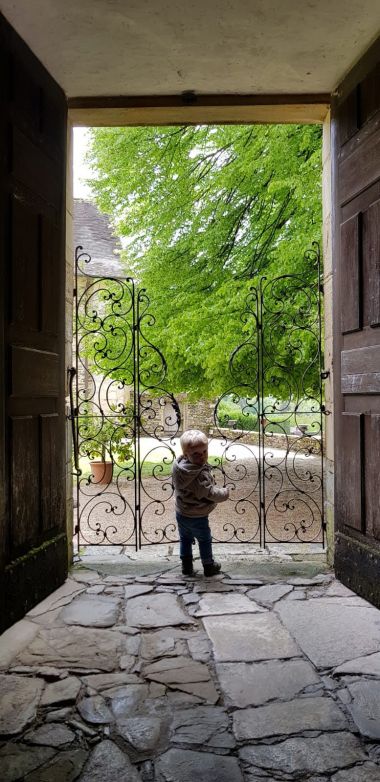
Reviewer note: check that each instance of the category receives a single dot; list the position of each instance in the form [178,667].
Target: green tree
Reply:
[205,212]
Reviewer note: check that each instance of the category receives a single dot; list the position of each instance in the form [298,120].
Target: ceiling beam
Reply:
[192,109]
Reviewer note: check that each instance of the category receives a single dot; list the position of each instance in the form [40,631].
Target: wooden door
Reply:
[33,544]
[356,166]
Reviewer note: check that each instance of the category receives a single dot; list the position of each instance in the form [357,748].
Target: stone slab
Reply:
[191,598]
[337,589]
[241,581]
[199,649]
[106,681]
[133,590]
[107,763]
[157,644]
[184,674]
[59,715]
[365,707]
[213,586]
[318,755]
[127,662]
[14,640]
[57,599]
[249,637]
[65,767]
[18,760]
[63,691]
[304,581]
[125,700]
[51,735]
[345,632]
[269,594]
[95,710]
[161,610]
[95,590]
[368,772]
[204,690]
[84,575]
[46,671]
[19,699]
[179,765]
[254,684]
[91,611]
[177,669]
[288,717]
[232,603]
[366,666]
[142,733]
[78,649]
[204,726]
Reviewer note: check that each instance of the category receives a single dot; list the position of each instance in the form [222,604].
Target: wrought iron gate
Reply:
[126,423]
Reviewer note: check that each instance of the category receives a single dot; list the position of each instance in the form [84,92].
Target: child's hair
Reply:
[191,438]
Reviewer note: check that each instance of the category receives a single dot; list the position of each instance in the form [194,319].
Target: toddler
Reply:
[196,495]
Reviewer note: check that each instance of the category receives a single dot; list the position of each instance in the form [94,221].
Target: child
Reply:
[196,495]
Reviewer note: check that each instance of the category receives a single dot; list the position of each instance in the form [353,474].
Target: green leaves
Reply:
[205,211]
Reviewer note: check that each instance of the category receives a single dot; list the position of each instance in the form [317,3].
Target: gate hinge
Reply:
[325,374]
[74,293]
[76,529]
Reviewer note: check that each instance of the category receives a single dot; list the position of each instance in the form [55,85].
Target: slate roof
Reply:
[93,231]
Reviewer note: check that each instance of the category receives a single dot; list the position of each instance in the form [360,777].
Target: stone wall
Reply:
[277,440]
[198,415]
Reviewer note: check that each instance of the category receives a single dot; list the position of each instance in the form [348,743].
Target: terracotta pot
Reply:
[101,472]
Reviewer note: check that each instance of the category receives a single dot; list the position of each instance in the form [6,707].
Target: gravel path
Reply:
[292,503]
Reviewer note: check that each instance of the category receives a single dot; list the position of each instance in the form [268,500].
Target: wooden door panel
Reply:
[347,115]
[356,163]
[371,265]
[25,483]
[50,251]
[33,540]
[30,164]
[349,495]
[372,461]
[360,370]
[25,251]
[351,312]
[369,94]
[52,465]
[359,169]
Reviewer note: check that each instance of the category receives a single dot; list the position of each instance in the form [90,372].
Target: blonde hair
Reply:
[191,438]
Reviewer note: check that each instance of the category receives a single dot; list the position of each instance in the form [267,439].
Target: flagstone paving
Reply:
[121,677]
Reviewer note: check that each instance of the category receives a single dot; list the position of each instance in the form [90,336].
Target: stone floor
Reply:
[266,673]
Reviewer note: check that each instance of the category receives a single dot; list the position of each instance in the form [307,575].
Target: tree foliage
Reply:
[205,211]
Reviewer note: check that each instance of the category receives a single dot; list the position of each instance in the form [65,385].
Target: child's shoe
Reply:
[187,566]
[212,568]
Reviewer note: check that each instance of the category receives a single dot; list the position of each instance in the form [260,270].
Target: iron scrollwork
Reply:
[119,379]
[124,417]
[279,383]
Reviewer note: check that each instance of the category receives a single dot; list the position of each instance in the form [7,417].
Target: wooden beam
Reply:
[192,109]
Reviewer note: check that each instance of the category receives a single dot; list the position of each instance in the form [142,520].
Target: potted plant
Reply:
[103,439]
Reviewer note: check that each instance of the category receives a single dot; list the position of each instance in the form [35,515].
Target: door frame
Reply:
[221,109]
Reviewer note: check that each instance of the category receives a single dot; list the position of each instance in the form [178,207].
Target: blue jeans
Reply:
[194,527]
